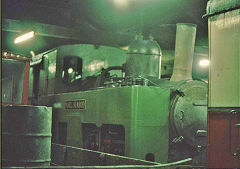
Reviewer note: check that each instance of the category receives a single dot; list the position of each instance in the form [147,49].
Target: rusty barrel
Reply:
[26,135]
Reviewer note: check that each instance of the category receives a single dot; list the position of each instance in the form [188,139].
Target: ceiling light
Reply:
[204,62]
[24,37]
[121,2]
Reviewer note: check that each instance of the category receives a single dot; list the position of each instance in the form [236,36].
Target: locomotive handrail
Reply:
[145,164]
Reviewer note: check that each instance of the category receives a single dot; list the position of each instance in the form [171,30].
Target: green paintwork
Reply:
[91,55]
[142,110]
[50,67]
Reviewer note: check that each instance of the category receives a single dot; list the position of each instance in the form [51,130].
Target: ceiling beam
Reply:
[84,35]
[40,29]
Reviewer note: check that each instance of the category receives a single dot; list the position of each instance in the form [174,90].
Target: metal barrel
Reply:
[26,135]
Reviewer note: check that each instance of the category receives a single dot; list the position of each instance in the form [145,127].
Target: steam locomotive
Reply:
[108,100]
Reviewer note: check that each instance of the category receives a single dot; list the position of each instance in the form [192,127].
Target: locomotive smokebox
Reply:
[188,113]
[144,59]
[184,48]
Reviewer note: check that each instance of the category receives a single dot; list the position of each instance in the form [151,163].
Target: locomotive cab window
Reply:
[72,69]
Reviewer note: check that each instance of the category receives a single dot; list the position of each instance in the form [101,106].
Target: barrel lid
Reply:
[186,24]
[220,6]
[146,47]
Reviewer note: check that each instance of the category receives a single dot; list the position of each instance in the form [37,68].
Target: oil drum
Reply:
[26,135]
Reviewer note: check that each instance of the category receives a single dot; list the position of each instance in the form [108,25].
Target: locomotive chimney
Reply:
[184,48]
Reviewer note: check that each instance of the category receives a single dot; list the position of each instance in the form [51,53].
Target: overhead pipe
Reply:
[184,48]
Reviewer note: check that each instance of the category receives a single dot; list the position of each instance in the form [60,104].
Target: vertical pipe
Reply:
[26,83]
[184,48]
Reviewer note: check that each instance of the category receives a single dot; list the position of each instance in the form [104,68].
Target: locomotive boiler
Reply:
[114,102]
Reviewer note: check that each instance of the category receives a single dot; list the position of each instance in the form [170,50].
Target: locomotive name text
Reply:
[76,104]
